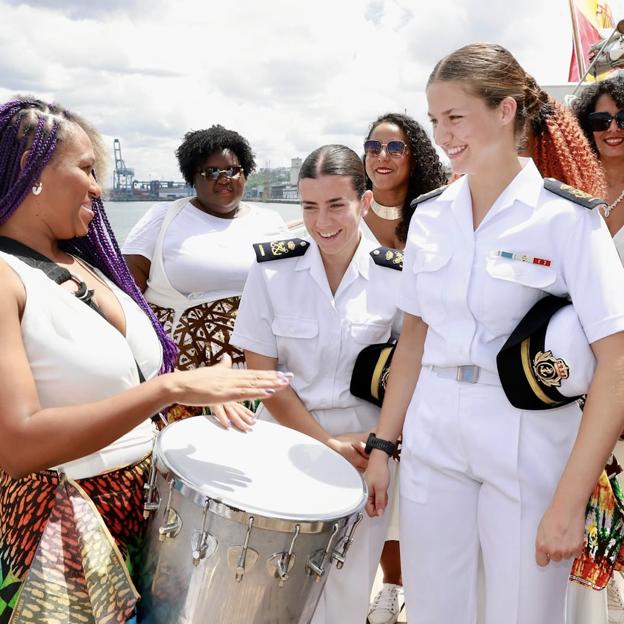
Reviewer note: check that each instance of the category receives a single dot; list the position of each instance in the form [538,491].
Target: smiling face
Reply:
[473,135]
[332,211]
[610,143]
[223,195]
[388,172]
[68,186]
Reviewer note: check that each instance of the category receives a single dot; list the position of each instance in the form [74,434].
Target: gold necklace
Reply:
[390,213]
[610,207]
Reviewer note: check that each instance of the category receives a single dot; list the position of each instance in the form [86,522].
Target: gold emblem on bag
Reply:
[550,370]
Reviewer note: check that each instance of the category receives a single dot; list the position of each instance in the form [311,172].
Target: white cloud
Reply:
[288,75]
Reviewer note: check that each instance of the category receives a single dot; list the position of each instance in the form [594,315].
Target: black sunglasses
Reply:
[213,173]
[393,148]
[599,122]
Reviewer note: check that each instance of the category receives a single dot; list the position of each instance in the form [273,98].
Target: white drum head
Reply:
[272,470]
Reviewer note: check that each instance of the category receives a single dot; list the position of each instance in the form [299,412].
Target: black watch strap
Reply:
[386,446]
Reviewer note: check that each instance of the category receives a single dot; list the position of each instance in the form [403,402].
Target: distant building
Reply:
[295,168]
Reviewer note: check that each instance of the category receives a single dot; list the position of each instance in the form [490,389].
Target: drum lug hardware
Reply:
[151,504]
[173,521]
[247,557]
[204,543]
[316,562]
[339,555]
[280,564]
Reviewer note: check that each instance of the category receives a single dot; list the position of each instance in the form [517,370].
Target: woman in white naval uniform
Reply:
[477,473]
[311,311]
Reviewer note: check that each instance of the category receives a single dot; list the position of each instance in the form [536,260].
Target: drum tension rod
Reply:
[150,488]
[173,522]
[340,556]
[203,540]
[240,568]
[319,568]
[283,563]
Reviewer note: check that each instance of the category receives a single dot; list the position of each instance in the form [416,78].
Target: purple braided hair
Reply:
[30,124]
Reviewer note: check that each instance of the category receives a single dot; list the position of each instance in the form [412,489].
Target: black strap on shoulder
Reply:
[56,273]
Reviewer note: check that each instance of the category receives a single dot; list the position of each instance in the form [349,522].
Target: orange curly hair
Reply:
[560,149]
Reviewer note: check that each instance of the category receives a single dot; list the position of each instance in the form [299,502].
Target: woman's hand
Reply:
[560,535]
[233,414]
[377,477]
[219,384]
[351,447]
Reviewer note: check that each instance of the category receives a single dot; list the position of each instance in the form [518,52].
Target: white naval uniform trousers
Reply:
[288,312]
[477,473]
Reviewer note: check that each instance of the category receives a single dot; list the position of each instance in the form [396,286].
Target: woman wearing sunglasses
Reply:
[600,112]
[190,257]
[401,164]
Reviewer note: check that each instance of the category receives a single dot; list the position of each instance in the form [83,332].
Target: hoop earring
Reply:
[36,190]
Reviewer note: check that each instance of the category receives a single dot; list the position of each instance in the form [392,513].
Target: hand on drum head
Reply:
[377,477]
[560,534]
[233,413]
[351,447]
[218,384]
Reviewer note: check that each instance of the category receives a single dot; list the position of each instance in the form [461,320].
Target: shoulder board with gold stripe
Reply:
[573,194]
[276,250]
[388,257]
[425,196]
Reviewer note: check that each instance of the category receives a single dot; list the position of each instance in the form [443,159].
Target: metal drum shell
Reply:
[175,591]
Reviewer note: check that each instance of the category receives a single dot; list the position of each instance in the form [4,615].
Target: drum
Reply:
[245,527]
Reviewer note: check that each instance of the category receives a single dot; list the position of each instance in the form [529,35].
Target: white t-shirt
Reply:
[203,253]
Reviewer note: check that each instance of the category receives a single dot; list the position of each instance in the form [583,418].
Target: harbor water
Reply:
[123,215]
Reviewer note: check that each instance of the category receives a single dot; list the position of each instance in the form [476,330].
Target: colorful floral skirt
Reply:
[202,335]
[68,550]
[604,532]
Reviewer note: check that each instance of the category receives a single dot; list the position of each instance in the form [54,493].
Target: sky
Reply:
[288,75]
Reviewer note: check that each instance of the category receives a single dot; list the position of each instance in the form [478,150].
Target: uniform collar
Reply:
[525,187]
[360,263]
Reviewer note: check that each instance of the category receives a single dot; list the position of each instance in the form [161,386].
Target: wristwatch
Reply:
[374,442]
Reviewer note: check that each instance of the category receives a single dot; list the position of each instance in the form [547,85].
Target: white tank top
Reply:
[76,356]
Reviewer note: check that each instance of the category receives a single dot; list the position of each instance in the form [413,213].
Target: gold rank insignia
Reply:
[573,194]
[275,250]
[388,257]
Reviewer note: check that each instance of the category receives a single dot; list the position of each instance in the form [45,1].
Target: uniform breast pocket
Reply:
[369,333]
[429,270]
[511,288]
[296,342]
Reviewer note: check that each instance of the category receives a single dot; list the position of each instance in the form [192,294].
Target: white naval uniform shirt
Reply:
[288,312]
[472,299]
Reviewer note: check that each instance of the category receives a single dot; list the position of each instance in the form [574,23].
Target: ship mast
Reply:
[578,48]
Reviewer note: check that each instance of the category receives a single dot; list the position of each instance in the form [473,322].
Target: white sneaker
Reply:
[386,605]
[615,598]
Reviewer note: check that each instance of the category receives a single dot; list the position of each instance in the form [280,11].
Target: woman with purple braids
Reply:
[77,339]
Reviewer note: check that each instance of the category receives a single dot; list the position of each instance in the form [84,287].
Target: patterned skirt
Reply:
[202,335]
[604,532]
[62,562]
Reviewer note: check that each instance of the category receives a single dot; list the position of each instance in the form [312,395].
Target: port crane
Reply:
[123,177]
